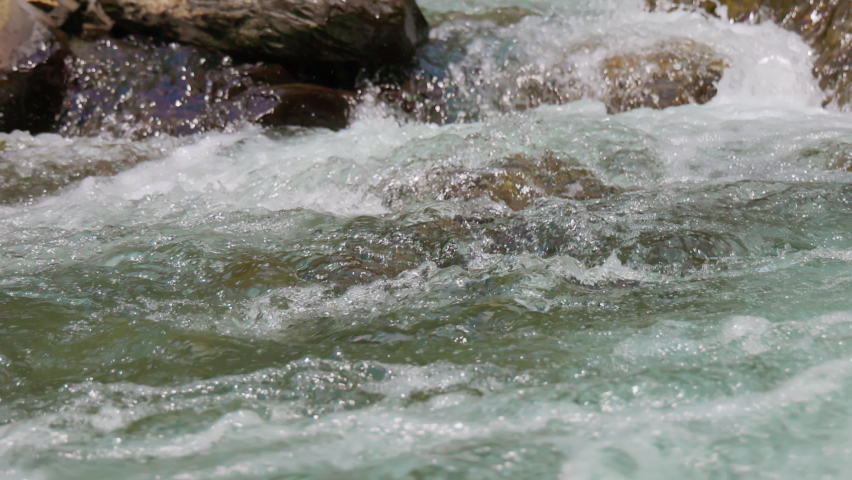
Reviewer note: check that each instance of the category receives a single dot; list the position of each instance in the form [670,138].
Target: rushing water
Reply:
[310,304]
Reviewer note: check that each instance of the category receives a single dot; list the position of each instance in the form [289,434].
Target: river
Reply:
[314,304]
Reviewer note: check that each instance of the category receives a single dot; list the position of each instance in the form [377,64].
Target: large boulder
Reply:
[369,33]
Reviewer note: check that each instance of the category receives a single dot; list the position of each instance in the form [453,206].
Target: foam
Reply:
[728,352]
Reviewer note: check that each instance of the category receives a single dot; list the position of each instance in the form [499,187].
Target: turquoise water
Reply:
[358,304]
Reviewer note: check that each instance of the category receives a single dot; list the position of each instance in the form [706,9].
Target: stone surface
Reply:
[367,32]
[20,32]
[670,74]
[135,87]
[515,181]
[825,24]
[33,73]
[308,106]
[450,84]
[31,96]
[519,180]
[373,250]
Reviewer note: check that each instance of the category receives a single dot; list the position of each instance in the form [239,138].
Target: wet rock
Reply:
[135,87]
[516,181]
[500,16]
[825,24]
[33,73]
[21,31]
[830,154]
[31,96]
[369,250]
[85,19]
[671,74]
[834,45]
[451,85]
[367,32]
[519,180]
[308,106]
[56,12]
[682,251]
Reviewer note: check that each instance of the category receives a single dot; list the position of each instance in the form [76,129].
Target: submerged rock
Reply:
[366,32]
[32,70]
[519,180]
[367,250]
[515,181]
[681,251]
[825,24]
[671,74]
[829,154]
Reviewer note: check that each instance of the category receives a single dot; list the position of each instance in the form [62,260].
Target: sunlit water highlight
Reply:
[309,304]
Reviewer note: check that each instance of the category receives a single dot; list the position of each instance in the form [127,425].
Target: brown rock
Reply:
[367,32]
[520,179]
[673,73]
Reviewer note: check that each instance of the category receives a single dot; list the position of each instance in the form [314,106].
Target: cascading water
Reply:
[411,300]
